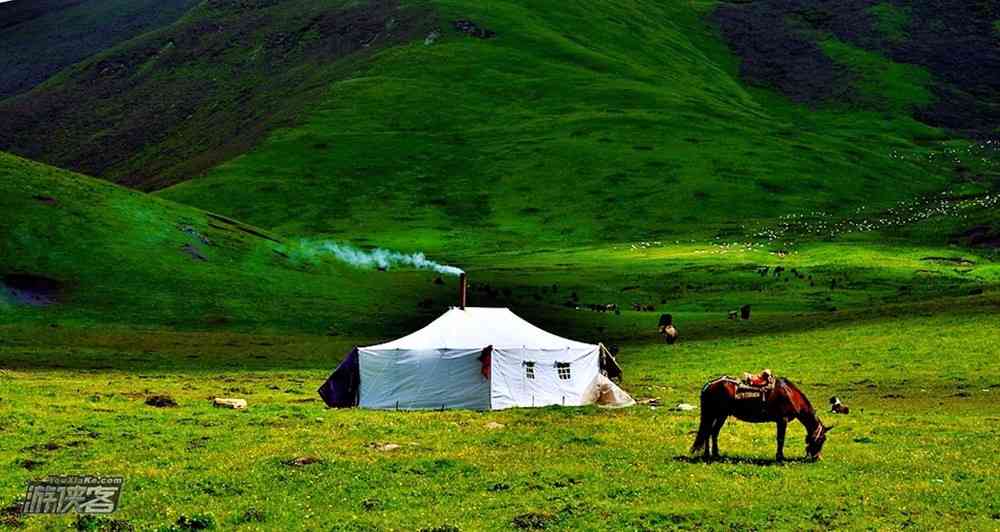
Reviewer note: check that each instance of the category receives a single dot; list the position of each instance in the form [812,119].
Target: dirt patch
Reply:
[161,401]
[302,461]
[48,200]
[533,520]
[30,464]
[33,290]
[10,516]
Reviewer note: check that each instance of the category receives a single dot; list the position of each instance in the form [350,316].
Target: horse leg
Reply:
[708,439]
[715,435]
[782,425]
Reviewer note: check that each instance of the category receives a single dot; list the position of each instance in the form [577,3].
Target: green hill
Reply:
[75,250]
[594,122]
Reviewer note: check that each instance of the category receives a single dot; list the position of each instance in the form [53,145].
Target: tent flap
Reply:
[341,389]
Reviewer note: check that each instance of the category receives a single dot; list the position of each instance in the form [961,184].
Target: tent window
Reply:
[563,369]
[529,370]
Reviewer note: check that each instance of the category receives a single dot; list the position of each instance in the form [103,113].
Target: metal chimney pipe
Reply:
[462,287]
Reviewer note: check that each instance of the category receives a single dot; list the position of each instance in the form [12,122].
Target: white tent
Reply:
[483,358]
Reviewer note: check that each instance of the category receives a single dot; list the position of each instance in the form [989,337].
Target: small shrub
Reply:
[252,515]
[161,401]
[93,523]
[196,522]
[442,528]
[533,520]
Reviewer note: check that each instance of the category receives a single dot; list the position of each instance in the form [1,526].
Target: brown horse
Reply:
[780,404]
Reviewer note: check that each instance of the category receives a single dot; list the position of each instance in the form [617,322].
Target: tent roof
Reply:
[478,327]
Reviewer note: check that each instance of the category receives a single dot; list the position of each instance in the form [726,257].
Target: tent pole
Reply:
[462,286]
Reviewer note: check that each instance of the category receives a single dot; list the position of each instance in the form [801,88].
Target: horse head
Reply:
[816,439]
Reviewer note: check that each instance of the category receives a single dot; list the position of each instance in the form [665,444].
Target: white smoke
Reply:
[382,259]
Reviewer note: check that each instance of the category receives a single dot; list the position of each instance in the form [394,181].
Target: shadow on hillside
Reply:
[41,347]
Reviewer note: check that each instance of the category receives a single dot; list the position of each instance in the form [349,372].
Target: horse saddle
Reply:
[751,393]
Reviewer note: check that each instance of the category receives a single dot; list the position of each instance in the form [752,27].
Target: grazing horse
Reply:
[780,404]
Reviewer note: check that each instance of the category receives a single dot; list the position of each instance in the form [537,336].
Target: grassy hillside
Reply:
[84,252]
[596,122]
[172,102]
[41,37]
[75,250]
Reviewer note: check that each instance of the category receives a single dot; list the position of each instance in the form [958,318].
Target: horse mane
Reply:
[793,387]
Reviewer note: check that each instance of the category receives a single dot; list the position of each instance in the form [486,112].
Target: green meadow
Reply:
[915,451]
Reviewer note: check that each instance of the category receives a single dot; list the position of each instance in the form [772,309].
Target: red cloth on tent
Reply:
[486,359]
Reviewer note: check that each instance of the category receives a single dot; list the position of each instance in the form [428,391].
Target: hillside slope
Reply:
[592,122]
[170,103]
[79,250]
[437,124]
[41,37]
[821,51]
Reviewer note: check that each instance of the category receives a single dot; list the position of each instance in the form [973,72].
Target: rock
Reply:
[235,404]
[301,461]
[193,252]
[683,407]
[493,425]
[385,447]
[161,401]
[472,29]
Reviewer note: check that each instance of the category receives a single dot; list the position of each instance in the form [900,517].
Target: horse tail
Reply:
[704,431]
[705,427]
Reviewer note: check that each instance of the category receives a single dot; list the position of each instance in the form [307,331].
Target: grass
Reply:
[881,83]
[920,381]
[892,21]
[125,257]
